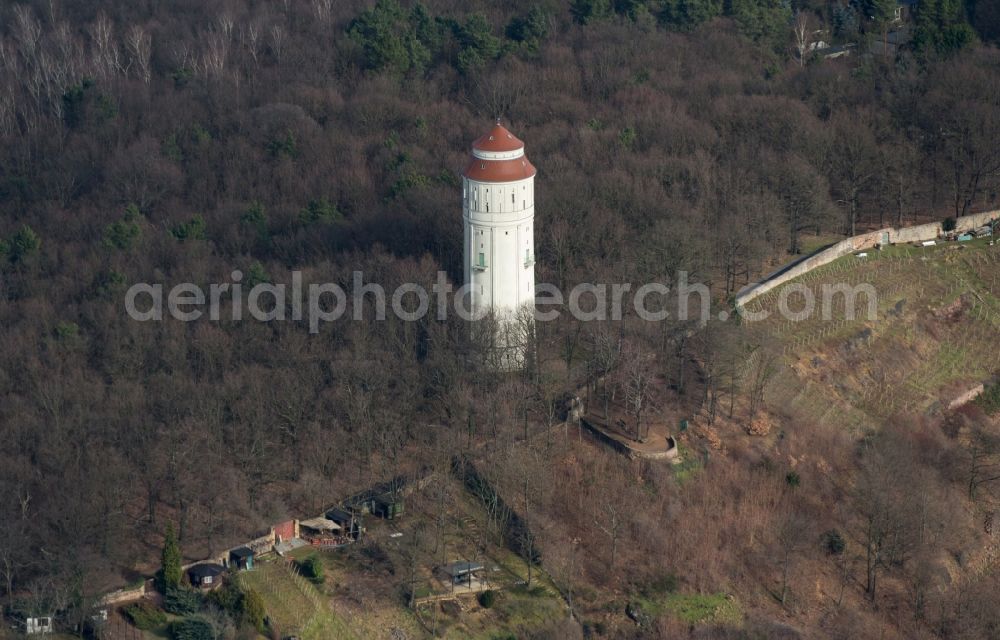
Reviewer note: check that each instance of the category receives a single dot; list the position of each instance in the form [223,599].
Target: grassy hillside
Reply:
[935,335]
[294,606]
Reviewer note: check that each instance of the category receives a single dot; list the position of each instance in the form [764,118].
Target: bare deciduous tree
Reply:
[139,45]
[636,381]
[106,58]
[800,29]
[763,366]
[226,24]
[252,40]
[793,533]
[27,30]
[322,9]
[215,54]
[277,41]
[498,95]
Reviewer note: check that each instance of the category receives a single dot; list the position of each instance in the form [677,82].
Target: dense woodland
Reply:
[173,142]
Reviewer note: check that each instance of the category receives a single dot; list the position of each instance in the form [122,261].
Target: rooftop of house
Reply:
[339,515]
[461,568]
[206,570]
[320,524]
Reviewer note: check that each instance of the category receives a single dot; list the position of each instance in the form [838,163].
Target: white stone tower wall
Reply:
[498,206]
[499,234]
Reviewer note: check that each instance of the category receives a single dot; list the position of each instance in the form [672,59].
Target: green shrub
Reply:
[538,591]
[67,330]
[487,598]
[253,609]
[229,599]
[24,244]
[627,137]
[989,399]
[792,479]
[312,568]
[108,283]
[192,629]
[193,229]
[529,29]
[833,542]
[121,234]
[181,601]
[661,584]
[243,605]
[949,224]
[255,217]
[256,274]
[170,562]
[145,615]
[283,145]
[320,211]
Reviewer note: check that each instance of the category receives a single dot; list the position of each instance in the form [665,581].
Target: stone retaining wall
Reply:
[967,397]
[870,240]
[124,595]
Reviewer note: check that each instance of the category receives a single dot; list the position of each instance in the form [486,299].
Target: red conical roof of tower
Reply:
[498,141]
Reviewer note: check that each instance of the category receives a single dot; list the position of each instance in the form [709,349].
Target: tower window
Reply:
[482,259]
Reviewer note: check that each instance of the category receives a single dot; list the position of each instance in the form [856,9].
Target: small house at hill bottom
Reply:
[349,523]
[322,531]
[388,506]
[241,558]
[464,574]
[206,575]
[384,500]
[39,624]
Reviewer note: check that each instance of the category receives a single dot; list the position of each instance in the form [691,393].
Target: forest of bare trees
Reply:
[177,142]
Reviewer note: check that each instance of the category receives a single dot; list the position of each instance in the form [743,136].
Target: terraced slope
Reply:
[936,334]
[293,604]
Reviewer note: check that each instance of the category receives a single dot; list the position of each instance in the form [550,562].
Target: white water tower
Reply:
[498,207]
